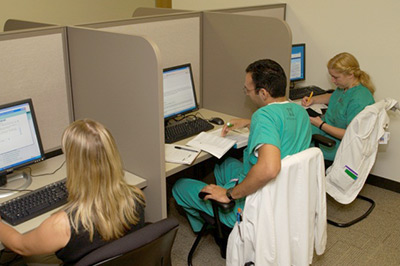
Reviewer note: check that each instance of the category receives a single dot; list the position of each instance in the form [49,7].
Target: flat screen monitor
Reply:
[179,92]
[298,62]
[20,145]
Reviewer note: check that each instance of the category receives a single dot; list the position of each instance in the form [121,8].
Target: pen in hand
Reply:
[309,97]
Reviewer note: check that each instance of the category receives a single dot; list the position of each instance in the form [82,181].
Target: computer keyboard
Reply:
[299,93]
[182,130]
[34,203]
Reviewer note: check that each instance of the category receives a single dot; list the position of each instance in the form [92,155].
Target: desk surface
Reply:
[49,166]
[172,168]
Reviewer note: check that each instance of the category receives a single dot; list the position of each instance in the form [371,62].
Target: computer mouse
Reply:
[216,120]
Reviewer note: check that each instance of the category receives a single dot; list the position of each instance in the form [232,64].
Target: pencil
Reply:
[309,97]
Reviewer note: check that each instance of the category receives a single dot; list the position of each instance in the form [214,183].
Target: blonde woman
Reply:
[101,205]
[353,93]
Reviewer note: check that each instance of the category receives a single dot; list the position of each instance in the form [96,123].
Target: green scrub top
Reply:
[284,125]
[343,107]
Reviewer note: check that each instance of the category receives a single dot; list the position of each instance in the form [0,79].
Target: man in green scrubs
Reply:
[277,129]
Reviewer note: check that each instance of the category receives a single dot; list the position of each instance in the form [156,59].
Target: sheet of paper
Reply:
[213,144]
[180,154]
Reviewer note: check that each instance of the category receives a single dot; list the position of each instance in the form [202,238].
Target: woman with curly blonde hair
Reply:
[101,206]
[353,93]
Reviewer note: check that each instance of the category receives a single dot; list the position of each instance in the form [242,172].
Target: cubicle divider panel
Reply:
[17,24]
[154,11]
[272,10]
[230,43]
[177,36]
[117,80]
[34,64]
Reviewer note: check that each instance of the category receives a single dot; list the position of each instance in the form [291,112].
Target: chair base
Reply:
[221,236]
[358,219]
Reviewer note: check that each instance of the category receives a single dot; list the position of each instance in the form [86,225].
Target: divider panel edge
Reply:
[116,80]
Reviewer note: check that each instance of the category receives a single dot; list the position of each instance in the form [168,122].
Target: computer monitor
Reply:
[298,63]
[20,145]
[179,92]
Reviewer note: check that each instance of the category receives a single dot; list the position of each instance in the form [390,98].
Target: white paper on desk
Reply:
[181,155]
[213,144]
[240,136]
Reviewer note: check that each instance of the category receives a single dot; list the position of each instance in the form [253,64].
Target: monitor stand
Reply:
[15,183]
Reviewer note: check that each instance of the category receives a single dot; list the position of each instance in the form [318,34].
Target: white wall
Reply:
[64,12]
[366,28]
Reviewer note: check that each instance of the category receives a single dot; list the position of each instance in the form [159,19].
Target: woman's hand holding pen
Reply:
[307,101]
[235,124]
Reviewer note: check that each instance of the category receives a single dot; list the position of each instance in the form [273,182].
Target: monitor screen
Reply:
[20,143]
[179,92]
[298,62]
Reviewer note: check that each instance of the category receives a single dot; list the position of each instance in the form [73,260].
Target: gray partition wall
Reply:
[177,36]
[116,79]
[16,24]
[154,11]
[34,64]
[230,43]
[271,10]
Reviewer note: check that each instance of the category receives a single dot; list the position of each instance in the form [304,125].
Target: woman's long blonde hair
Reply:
[99,198]
[346,63]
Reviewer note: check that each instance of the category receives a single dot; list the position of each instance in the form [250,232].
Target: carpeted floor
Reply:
[373,241]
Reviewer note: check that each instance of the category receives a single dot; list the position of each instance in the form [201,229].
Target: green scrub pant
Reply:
[186,190]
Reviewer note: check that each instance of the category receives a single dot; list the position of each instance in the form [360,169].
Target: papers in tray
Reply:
[180,154]
[213,143]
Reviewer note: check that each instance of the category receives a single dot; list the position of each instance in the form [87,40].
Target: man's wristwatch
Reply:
[228,193]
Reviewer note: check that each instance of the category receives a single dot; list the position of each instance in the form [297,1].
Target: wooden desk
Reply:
[48,166]
[173,168]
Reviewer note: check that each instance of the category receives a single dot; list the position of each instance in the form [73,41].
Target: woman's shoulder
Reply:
[60,220]
[362,93]
[360,89]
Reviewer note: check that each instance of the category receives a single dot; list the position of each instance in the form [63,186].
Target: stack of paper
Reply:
[212,143]
[180,154]
[240,136]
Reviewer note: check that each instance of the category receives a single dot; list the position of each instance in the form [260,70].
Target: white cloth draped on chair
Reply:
[284,220]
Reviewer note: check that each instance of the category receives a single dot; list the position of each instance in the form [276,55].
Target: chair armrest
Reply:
[319,139]
[222,205]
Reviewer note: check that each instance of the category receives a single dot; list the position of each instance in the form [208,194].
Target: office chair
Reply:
[284,221]
[355,156]
[150,245]
[213,223]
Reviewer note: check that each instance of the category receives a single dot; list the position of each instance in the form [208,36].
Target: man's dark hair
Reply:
[268,74]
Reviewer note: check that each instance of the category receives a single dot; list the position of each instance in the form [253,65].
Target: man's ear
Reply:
[264,94]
